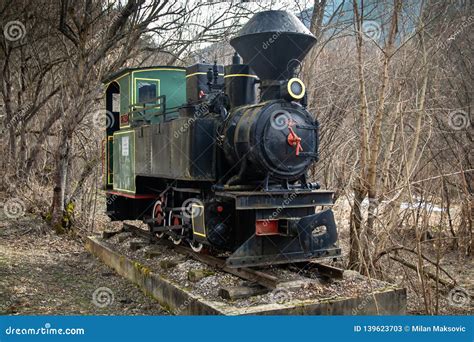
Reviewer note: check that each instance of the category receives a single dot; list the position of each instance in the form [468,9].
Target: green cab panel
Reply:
[151,83]
[124,84]
[139,86]
[124,161]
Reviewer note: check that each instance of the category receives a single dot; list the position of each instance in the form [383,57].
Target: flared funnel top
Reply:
[272,43]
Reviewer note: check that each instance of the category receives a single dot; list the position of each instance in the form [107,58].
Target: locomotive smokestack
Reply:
[272,43]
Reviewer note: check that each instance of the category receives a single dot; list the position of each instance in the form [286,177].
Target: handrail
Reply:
[161,105]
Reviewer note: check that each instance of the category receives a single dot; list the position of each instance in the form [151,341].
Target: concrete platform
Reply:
[174,297]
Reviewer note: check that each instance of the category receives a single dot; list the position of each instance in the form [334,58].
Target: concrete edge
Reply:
[388,301]
[171,297]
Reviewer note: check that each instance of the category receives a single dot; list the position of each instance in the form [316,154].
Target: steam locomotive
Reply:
[199,157]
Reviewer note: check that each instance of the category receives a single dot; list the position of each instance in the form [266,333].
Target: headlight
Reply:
[294,89]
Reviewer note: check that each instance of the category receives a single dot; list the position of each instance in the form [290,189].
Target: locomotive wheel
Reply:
[176,240]
[196,246]
[159,216]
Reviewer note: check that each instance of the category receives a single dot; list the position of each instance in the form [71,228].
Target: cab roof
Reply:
[115,75]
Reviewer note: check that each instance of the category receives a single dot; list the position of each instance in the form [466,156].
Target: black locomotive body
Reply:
[225,171]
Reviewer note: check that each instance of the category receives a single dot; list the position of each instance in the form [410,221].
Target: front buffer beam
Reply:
[301,244]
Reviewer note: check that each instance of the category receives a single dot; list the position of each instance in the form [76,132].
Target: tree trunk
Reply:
[317,17]
[379,118]
[46,129]
[23,150]
[360,186]
[356,229]
[62,162]
[11,145]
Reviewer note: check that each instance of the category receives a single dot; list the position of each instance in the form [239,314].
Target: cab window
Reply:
[147,91]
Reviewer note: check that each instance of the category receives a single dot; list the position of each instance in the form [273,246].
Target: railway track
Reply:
[259,277]
[190,288]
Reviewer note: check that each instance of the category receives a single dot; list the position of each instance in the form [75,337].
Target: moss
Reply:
[47,217]
[122,261]
[68,215]
[146,271]
[70,208]
[149,294]
[208,273]
[141,268]
[329,300]
[66,220]
[166,307]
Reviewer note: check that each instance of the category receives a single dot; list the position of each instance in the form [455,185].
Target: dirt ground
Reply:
[52,275]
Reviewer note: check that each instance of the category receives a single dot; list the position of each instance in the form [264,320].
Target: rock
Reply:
[108,234]
[152,253]
[238,292]
[136,245]
[296,284]
[123,236]
[350,274]
[167,264]
[196,275]
[125,300]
